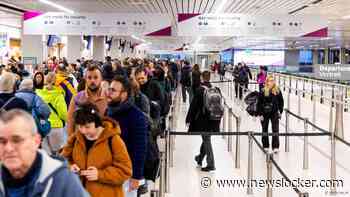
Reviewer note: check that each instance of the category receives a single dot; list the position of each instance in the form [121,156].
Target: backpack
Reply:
[165,89]
[3,108]
[43,125]
[212,103]
[252,101]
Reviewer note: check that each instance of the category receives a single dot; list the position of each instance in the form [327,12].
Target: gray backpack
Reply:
[212,103]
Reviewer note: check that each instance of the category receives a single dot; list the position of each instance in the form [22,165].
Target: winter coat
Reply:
[108,154]
[53,180]
[66,84]
[261,77]
[16,103]
[35,101]
[196,80]
[99,99]
[276,101]
[134,128]
[185,79]
[56,99]
[199,120]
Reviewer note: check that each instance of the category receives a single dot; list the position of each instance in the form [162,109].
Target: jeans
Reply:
[207,150]
[275,129]
[188,90]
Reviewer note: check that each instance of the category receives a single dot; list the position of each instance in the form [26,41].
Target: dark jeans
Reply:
[275,129]
[184,90]
[207,150]
[240,91]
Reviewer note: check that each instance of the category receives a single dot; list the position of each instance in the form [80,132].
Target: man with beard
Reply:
[134,128]
[93,93]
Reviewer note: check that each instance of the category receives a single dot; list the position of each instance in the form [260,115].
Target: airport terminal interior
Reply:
[174,98]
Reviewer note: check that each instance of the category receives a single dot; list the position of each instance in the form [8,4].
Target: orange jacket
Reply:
[113,169]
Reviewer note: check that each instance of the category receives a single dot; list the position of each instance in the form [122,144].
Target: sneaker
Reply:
[208,169]
[197,159]
[267,149]
[143,189]
[275,150]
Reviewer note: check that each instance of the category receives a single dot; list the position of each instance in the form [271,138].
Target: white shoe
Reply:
[267,150]
[275,150]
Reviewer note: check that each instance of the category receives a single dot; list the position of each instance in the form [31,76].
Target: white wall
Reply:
[32,46]
[74,46]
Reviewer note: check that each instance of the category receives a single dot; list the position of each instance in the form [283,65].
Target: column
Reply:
[99,48]
[314,57]
[326,56]
[33,46]
[342,56]
[74,46]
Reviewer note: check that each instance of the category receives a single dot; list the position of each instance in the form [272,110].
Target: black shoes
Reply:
[208,169]
[198,160]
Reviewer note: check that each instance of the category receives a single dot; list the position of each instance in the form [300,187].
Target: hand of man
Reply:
[91,173]
[134,184]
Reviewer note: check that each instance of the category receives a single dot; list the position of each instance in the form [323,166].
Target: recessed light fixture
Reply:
[57,6]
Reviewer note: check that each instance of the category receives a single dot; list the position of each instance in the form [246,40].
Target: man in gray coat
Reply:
[27,171]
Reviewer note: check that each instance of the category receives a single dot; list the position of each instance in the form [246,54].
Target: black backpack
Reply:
[186,76]
[212,103]
[252,101]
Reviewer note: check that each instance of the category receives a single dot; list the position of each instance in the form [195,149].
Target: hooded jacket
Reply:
[66,83]
[34,101]
[56,98]
[134,126]
[114,166]
[54,180]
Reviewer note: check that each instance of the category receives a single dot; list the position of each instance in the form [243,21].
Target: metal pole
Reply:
[304,88]
[333,96]
[333,163]
[303,194]
[330,118]
[312,90]
[284,83]
[290,84]
[238,145]
[230,129]
[314,113]
[299,103]
[250,164]
[161,178]
[346,100]
[224,122]
[306,147]
[171,149]
[321,99]
[287,131]
[269,157]
[296,87]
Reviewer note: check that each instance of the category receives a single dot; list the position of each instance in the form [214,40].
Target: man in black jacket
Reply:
[199,121]
[186,81]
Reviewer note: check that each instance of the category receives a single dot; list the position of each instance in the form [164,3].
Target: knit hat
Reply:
[26,84]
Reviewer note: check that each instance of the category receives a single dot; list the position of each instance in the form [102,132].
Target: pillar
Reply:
[99,48]
[326,56]
[74,46]
[33,46]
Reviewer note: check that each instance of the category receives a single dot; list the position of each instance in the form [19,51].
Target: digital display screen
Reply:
[259,57]
[305,57]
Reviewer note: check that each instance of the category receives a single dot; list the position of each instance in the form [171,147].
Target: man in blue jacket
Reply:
[26,171]
[134,126]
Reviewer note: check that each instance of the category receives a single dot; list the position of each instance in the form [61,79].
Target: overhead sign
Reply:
[96,24]
[251,26]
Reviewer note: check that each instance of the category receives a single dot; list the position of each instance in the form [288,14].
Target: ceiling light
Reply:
[219,9]
[346,17]
[57,6]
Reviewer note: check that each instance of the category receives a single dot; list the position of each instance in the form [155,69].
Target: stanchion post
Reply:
[224,122]
[299,103]
[238,143]
[330,118]
[230,129]
[290,84]
[303,194]
[333,163]
[304,81]
[161,177]
[321,99]
[250,164]
[154,193]
[312,89]
[314,113]
[346,99]
[333,95]
[296,87]
[287,131]
[306,146]
[269,188]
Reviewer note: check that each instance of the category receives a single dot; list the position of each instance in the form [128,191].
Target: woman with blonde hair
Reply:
[270,107]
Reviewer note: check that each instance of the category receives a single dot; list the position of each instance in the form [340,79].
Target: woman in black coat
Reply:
[270,107]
